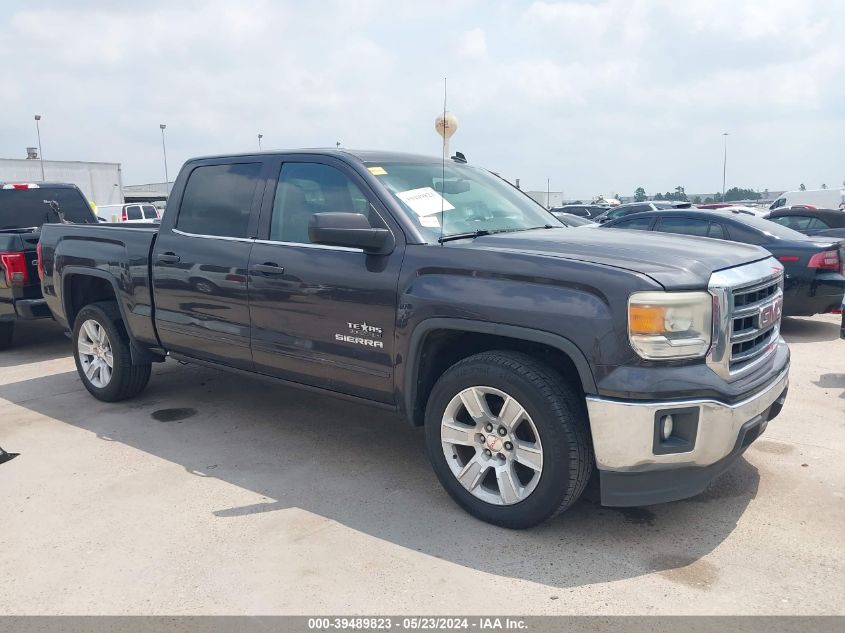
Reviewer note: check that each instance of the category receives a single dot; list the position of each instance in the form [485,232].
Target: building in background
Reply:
[100,182]
[550,199]
[150,192]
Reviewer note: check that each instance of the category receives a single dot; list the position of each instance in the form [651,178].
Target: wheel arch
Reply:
[437,343]
[83,286]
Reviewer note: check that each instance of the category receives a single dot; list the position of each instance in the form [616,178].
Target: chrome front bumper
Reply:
[626,440]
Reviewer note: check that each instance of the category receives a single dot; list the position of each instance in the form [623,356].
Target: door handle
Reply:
[267,269]
[168,258]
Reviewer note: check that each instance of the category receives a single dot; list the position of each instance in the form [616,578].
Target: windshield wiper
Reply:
[464,236]
[481,232]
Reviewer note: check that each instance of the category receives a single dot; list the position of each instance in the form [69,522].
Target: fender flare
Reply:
[140,354]
[563,344]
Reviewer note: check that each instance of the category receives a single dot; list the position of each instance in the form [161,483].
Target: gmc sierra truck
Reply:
[535,355]
[24,207]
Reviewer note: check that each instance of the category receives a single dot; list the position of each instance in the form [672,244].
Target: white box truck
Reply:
[819,198]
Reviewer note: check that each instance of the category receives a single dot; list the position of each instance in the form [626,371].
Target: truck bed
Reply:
[117,254]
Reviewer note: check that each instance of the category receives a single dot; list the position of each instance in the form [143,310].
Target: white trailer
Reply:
[100,182]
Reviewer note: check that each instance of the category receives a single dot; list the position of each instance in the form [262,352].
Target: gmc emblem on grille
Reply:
[770,313]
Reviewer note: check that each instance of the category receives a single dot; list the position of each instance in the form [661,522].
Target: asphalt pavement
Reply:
[217,494]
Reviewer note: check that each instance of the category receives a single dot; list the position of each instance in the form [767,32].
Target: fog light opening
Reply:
[667,425]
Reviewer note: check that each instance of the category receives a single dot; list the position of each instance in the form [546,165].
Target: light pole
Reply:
[40,153]
[724,164]
[164,151]
[260,136]
[548,195]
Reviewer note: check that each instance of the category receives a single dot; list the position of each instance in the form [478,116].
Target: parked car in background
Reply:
[814,267]
[133,212]
[714,205]
[24,208]
[759,212]
[531,353]
[823,198]
[639,207]
[572,220]
[582,210]
[811,221]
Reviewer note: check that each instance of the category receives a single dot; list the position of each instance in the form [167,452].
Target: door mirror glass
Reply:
[352,230]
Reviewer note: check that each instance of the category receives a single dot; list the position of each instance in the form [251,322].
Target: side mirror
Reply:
[349,229]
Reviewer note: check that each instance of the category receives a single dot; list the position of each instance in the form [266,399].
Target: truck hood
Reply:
[676,262]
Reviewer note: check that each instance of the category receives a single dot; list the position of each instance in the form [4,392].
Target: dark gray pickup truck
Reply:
[535,356]
[24,207]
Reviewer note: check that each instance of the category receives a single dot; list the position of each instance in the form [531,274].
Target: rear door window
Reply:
[149,212]
[717,231]
[817,225]
[637,224]
[683,226]
[218,200]
[134,213]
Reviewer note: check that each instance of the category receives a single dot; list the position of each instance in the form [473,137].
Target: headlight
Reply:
[670,324]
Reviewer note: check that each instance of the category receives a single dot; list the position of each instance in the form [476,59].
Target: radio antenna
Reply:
[443,169]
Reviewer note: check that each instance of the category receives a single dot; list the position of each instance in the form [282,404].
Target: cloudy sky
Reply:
[601,96]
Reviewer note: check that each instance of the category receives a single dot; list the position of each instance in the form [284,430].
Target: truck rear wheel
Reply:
[507,437]
[7,331]
[101,352]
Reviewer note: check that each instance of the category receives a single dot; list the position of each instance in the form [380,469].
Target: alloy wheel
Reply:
[491,445]
[95,353]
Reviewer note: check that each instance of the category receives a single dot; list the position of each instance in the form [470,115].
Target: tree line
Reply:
[679,194]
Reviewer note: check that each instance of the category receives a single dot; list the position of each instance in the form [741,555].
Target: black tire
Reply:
[127,380]
[7,331]
[559,414]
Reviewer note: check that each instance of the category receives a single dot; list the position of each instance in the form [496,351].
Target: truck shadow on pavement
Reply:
[366,470]
[808,330]
[36,341]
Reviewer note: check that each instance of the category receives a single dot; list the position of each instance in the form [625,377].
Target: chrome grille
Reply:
[755,321]
[746,327]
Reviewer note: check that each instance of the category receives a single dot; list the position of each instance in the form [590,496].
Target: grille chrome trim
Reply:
[725,287]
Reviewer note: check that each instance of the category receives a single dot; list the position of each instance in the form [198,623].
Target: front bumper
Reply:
[637,467]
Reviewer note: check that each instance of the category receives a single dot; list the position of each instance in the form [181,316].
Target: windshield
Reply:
[472,199]
[21,208]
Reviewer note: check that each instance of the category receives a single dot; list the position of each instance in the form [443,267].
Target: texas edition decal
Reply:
[362,334]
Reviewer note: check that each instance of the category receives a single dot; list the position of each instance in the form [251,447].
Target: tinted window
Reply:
[218,199]
[623,211]
[582,211]
[149,212]
[683,226]
[637,224]
[308,188]
[717,231]
[801,222]
[20,208]
[134,213]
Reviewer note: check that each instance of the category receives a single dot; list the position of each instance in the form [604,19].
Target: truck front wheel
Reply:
[507,437]
[101,352]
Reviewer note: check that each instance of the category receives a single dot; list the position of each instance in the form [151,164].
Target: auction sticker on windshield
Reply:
[424,201]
